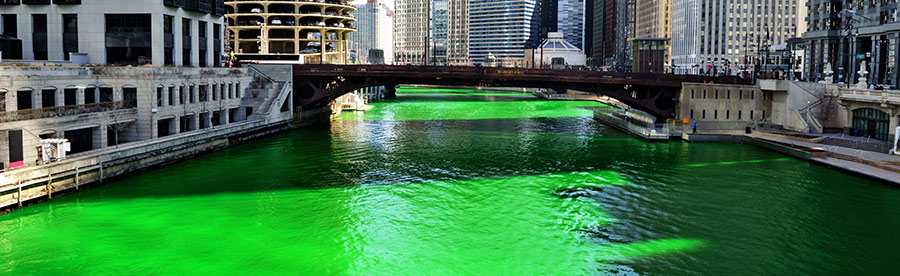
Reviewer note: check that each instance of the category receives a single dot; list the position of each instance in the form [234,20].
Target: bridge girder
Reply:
[317,85]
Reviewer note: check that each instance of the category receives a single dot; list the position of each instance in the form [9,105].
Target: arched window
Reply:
[23,99]
[129,95]
[48,97]
[872,123]
[3,100]
[70,95]
[90,94]
[106,93]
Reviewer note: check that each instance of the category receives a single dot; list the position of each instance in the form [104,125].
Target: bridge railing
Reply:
[317,68]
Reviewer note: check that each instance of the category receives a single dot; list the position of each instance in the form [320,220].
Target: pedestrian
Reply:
[695,127]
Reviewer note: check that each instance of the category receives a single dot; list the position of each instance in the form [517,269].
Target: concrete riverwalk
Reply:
[875,165]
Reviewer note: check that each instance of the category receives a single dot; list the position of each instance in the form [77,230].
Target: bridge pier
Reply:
[390,91]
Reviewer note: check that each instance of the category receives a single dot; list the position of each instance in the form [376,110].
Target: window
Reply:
[191,93]
[70,96]
[202,43]
[128,39]
[70,34]
[215,91]
[159,96]
[222,91]
[172,95]
[106,94]
[727,114]
[728,94]
[186,42]
[703,116]
[715,114]
[751,114]
[39,36]
[717,94]
[23,99]
[181,94]
[48,97]
[204,92]
[230,91]
[168,40]
[90,95]
[704,93]
[752,96]
[237,90]
[129,94]
[739,115]
[692,114]
[692,93]
[740,94]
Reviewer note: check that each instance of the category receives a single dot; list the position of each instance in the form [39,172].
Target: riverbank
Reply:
[878,166]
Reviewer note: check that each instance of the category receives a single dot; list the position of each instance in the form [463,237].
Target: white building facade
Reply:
[375,30]
[722,37]
[180,33]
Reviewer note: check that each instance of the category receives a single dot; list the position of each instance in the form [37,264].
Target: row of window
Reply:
[26,98]
[727,94]
[728,113]
[166,95]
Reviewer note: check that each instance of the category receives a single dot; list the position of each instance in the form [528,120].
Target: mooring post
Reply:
[76,178]
[49,186]
[19,196]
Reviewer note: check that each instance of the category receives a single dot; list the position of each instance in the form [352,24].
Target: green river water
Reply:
[459,182]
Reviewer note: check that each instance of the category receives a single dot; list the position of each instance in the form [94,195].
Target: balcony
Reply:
[60,111]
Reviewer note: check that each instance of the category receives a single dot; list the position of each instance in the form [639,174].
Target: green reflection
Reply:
[736,162]
[401,110]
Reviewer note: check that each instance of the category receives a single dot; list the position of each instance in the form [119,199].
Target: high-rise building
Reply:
[847,33]
[458,33]
[411,24]
[177,33]
[375,30]
[654,20]
[715,37]
[570,14]
[309,32]
[502,29]
[438,41]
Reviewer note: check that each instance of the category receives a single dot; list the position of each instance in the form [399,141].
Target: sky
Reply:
[389,3]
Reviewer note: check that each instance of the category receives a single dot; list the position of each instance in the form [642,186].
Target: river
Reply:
[453,181]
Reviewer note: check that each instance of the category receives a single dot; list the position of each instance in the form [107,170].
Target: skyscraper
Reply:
[458,33]
[410,29]
[504,29]
[712,36]
[654,20]
[570,16]
[375,30]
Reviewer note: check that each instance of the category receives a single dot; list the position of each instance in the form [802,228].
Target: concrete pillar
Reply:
[100,137]
[37,98]
[322,43]
[390,91]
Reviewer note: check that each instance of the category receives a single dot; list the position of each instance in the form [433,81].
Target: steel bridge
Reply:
[317,84]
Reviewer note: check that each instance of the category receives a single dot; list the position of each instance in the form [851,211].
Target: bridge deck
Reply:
[507,74]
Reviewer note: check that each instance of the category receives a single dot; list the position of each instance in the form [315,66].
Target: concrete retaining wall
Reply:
[43,181]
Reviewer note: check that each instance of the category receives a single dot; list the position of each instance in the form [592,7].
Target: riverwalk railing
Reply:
[59,111]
